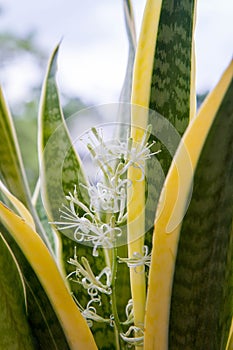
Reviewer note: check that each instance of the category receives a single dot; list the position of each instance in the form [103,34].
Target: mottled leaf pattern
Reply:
[171,89]
[61,171]
[162,84]
[202,296]
[202,242]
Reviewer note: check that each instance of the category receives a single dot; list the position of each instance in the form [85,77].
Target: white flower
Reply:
[134,336]
[129,313]
[109,198]
[127,153]
[87,229]
[89,281]
[73,199]
[138,259]
[103,236]
[90,313]
[102,198]
[135,154]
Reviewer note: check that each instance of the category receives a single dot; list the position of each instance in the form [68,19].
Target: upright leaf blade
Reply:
[172,89]
[74,326]
[174,200]
[203,288]
[123,115]
[61,167]
[172,68]
[140,96]
[61,171]
[44,324]
[131,33]
[162,82]
[11,165]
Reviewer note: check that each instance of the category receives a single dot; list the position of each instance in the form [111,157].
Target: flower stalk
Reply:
[101,226]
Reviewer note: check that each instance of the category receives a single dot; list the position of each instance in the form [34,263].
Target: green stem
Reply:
[113,295]
[120,343]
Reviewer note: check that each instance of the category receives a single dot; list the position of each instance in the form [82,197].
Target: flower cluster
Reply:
[100,223]
[118,156]
[109,198]
[84,275]
[94,285]
[87,228]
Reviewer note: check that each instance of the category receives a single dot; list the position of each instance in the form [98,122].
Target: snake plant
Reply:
[128,243]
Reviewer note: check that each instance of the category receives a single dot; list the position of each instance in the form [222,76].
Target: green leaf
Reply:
[61,167]
[11,165]
[162,84]
[45,222]
[61,170]
[131,33]
[44,324]
[172,67]
[124,111]
[164,66]
[59,174]
[71,322]
[12,170]
[202,296]
[172,90]
[201,308]
[14,328]
[230,338]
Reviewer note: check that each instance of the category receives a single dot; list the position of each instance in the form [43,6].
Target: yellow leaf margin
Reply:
[23,212]
[140,96]
[78,334]
[170,214]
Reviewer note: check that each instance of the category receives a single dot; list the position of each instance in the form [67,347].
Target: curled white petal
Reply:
[87,229]
[90,313]
[138,259]
[129,313]
[134,336]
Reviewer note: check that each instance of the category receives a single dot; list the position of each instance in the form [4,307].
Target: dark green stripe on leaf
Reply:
[170,93]
[170,85]
[61,171]
[202,297]
[61,166]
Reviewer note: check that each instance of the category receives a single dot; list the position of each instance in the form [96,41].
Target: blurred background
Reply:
[93,54]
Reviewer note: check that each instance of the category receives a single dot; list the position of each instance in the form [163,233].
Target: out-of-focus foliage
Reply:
[13,46]
[14,49]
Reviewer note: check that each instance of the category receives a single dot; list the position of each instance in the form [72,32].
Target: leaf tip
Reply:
[53,61]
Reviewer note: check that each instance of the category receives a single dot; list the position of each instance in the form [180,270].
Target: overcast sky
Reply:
[93,54]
